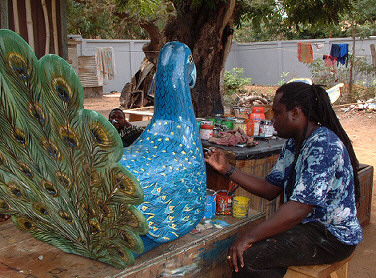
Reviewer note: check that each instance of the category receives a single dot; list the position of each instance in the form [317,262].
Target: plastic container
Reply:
[253,122]
[240,207]
[224,203]
[210,205]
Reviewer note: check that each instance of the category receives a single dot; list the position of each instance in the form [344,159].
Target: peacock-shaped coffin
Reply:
[60,176]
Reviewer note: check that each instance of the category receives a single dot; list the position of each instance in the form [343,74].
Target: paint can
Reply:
[228,124]
[224,203]
[210,204]
[240,207]
[206,130]
[240,123]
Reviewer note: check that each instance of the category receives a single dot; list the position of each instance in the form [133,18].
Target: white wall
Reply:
[264,62]
[128,57]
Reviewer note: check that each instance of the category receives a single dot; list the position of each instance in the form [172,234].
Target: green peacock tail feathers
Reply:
[60,178]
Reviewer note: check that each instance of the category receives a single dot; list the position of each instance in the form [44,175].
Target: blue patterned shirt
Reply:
[324,179]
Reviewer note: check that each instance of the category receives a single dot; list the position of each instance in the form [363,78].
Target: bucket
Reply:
[240,207]
[210,204]
[224,203]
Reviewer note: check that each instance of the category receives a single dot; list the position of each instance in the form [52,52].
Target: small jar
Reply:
[206,130]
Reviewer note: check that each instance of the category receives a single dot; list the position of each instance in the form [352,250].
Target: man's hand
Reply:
[287,216]
[218,160]
[235,252]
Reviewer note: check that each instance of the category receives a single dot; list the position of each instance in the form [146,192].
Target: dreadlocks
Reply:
[315,103]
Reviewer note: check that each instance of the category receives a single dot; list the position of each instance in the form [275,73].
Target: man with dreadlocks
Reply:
[317,172]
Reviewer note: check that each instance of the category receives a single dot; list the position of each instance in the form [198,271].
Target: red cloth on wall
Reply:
[305,52]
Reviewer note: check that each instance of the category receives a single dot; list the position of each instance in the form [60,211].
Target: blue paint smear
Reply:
[217,253]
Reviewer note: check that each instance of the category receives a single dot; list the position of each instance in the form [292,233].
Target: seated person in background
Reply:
[317,174]
[127,132]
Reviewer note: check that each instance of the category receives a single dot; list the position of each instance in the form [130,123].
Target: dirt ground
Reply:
[361,128]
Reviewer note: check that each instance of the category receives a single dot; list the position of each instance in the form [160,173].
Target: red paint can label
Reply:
[224,203]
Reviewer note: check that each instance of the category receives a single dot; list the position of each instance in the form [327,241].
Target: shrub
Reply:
[234,82]
[364,85]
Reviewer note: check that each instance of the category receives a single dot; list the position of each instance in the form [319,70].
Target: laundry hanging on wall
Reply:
[305,52]
[340,51]
[319,45]
[330,61]
[105,63]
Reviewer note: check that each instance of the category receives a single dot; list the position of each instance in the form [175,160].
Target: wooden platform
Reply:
[335,270]
[139,114]
[193,255]
[365,174]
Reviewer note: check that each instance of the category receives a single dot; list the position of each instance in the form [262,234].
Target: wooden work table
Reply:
[201,254]
[264,148]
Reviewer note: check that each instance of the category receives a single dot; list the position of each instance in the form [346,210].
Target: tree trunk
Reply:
[208,33]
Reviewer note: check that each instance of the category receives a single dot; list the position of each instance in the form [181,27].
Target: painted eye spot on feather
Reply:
[66,217]
[19,136]
[69,137]
[89,211]
[51,149]
[63,179]
[18,65]
[81,241]
[50,188]
[124,183]
[36,112]
[40,209]
[62,88]
[123,255]
[91,174]
[104,209]
[4,206]
[94,227]
[25,223]
[128,240]
[25,170]
[128,218]
[99,134]
[95,178]
[15,190]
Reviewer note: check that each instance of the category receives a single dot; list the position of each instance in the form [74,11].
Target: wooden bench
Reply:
[194,255]
[335,270]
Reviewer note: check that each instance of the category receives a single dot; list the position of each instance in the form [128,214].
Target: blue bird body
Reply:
[167,159]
